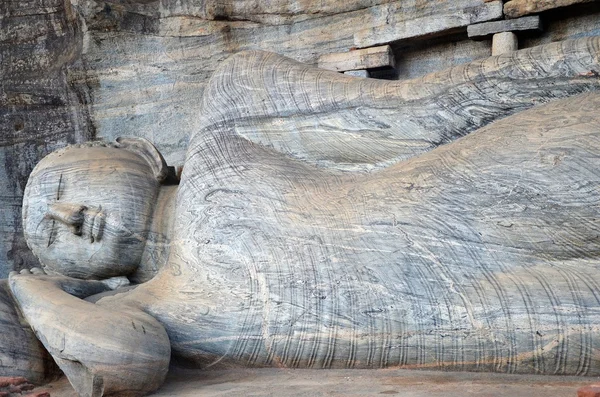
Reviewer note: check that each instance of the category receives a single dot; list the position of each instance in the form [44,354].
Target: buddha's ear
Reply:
[143,148]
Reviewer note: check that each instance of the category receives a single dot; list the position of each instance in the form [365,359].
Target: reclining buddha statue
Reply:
[450,222]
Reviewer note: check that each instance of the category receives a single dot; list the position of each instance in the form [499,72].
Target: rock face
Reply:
[423,21]
[518,8]
[41,107]
[408,117]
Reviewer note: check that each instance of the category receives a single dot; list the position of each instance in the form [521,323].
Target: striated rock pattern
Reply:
[149,77]
[178,46]
[40,110]
[374,123]
[448,15]
[479,255]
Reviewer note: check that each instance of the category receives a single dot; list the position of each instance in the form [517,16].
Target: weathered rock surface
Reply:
[408,117]
[435,262]
[429,18]
[40,109]
[22,355]
[486,29]
[149,82]
[518,8]
[368,58]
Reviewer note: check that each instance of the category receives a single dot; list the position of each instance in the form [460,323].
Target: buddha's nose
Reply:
[70,214]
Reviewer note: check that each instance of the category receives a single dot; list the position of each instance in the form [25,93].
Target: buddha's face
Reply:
[86,211]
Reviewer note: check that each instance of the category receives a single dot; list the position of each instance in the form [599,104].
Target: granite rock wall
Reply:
[74,70]
[41,109]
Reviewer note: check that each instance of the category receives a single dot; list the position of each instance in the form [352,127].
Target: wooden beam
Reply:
[368,58]
[435,18]
[481,31]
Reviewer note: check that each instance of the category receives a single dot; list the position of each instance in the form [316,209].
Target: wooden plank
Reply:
[486,29]
[435,18]
[519,8]
[368,58]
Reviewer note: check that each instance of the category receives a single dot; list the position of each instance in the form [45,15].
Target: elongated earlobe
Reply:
[143,148]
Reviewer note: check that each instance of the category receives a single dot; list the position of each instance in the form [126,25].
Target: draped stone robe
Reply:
[334,237]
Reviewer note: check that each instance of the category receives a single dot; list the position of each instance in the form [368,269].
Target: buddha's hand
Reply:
[103,350]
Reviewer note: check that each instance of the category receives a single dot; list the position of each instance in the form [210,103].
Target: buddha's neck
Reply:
[158,243]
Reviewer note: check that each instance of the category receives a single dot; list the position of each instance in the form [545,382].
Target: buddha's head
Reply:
[87,208]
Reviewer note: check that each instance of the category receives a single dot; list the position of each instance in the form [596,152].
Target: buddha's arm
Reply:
[101,350]
[333,120]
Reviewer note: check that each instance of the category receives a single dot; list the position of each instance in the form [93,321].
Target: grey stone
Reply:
[357,73]
[435,18]
[21,353]
[486,29]
[504,42]
[40,109]
[368,58]
[518,8]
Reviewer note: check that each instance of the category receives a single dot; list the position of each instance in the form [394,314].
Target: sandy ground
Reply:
[404,383]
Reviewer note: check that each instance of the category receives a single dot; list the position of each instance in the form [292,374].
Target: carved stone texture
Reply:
[438,16]
[314,227]
[410,117]
[368,58]
[519,8]
[40,110]
[120,351]
[435,252]
[99,224]
[486,29]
